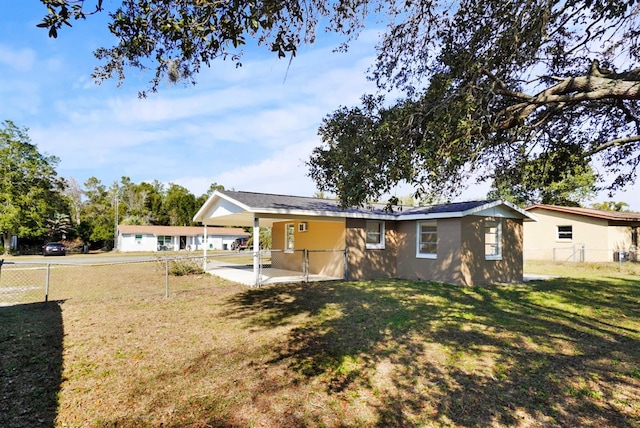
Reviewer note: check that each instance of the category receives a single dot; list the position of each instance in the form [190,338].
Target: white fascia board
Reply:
[199,216]
[502,209]
[233,201]
[309,213]
[209,206]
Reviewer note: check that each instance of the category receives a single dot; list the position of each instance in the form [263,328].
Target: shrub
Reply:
[186,267]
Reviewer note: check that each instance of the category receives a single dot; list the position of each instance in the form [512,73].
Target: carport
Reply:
[255,210]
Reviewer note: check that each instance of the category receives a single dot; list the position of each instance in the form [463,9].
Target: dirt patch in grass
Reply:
[562,352]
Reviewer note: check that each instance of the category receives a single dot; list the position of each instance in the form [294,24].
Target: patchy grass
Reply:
[563,352]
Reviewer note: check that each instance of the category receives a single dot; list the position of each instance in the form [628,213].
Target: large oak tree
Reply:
[29,186]
[490,87]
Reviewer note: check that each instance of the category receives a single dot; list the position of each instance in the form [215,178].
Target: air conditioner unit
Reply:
[303,227]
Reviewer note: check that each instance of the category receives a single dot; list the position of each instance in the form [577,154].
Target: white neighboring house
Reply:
[176,238]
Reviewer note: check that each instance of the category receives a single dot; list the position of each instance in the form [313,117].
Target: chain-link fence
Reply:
[580,253]
[276,266]
[29,282]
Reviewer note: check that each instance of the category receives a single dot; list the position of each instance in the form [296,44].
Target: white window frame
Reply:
[289,232]
[419,225]
[379,245]
[559,238]
[488,224]
[165,239]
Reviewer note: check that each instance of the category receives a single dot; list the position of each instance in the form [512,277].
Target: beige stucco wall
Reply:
[475,268]
[619,238]
[366,263]
[460,259]
[596,236]
[320,235]
[446,267]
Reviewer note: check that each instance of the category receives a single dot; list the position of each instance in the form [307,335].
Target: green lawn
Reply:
[563,352]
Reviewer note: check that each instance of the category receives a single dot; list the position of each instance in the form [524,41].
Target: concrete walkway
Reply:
[536,277]
[244,274]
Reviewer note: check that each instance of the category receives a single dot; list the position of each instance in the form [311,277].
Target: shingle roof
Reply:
[243,208]
[452,207]
[590,212]
[265,201]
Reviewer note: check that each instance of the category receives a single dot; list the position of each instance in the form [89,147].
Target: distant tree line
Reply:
[37,206]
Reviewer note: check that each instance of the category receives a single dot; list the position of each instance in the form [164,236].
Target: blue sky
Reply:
[249,128]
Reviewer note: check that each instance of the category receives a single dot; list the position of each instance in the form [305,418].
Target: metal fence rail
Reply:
[30,282]
[580,253]
[277,266]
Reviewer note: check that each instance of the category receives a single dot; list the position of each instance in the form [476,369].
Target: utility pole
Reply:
[115,231]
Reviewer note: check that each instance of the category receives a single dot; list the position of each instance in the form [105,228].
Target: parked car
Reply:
[239,244]
[53,249]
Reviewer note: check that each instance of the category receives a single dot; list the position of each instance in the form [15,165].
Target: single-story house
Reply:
[459,243]
[175,238]
[580,234]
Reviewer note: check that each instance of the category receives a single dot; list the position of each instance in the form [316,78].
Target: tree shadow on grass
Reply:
[549,353]
[30,364]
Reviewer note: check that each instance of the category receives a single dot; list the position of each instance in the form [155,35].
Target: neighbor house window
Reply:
[375,235]
[565,233]
[493,240]
[427,239]
[164,240]
[289,235]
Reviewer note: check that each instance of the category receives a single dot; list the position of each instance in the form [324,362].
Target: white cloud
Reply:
[17,59]
[282,172]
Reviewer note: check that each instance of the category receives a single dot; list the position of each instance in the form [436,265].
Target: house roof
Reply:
[618,216]
[240,209]
[180,230]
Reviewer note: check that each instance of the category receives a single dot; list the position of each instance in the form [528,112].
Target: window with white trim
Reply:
[375,235]
[427,239]
[165,240]
[493,240]
[289,236]
[565,233]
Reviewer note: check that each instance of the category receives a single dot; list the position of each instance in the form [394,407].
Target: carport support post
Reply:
[204,259]
[256,249]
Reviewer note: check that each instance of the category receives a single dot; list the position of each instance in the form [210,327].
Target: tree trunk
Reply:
[6,243]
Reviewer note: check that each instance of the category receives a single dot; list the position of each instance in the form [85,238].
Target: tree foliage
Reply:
[29,186]
[531,94]
[489,86]
[175,38]
[36,205]
[611,206]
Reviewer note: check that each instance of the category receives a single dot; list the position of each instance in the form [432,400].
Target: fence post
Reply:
[305,264]
[46,283]
[346,265]
[1,262]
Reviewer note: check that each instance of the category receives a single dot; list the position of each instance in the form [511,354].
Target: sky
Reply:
[250,128]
